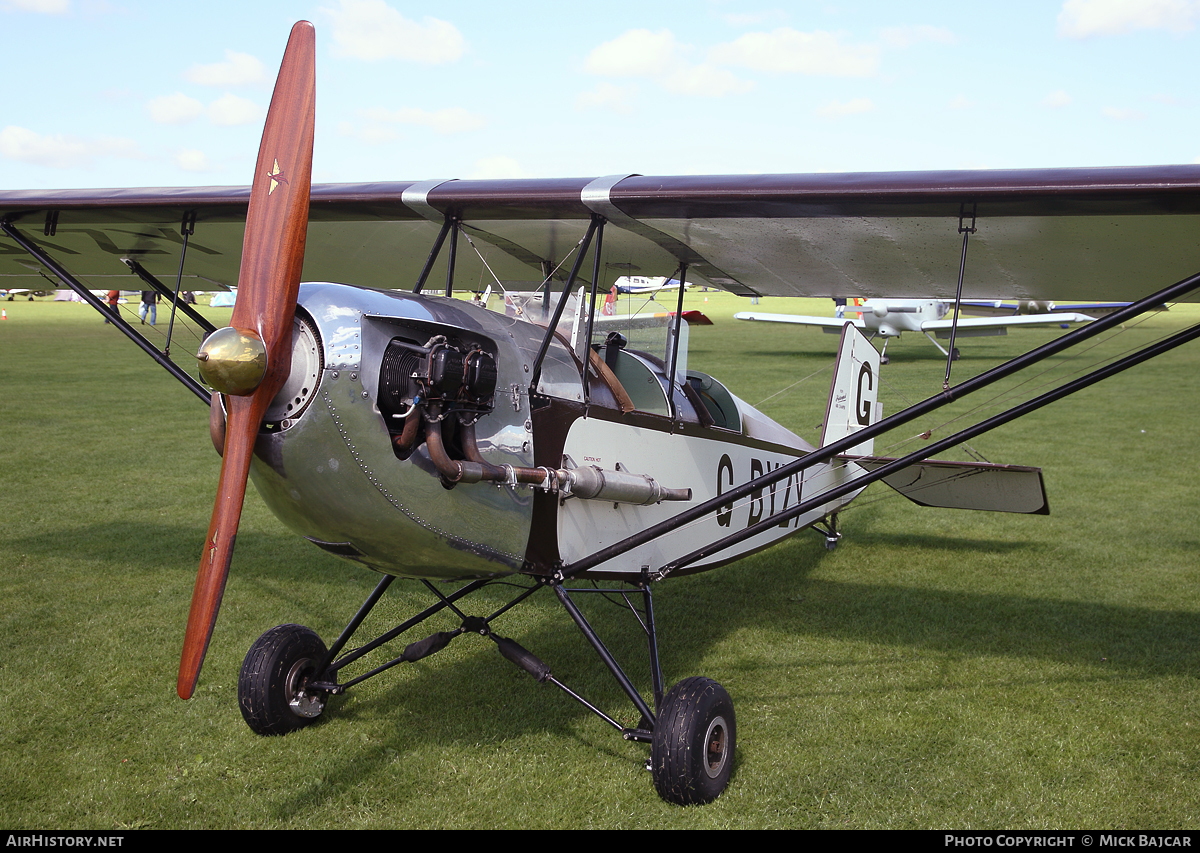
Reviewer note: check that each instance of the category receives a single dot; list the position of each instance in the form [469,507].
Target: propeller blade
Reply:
[268,282]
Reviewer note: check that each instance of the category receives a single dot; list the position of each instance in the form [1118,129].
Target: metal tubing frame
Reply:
[536,373]
[66,278]
[454,224]
[350,657]
[330,667]
[186,230]
[362,613]
[145,275]
[584,357]
[962,268]
[652,642]
[675,329]
[828,452]
[433,253]
[605,655]
[647,623]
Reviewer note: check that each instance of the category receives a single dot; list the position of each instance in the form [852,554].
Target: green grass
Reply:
[938,669]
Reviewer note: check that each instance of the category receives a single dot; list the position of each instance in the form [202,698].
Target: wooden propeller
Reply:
[268,281]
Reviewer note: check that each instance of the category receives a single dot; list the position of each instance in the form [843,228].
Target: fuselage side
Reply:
[331,470]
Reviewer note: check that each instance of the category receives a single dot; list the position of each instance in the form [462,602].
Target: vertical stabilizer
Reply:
[854,394]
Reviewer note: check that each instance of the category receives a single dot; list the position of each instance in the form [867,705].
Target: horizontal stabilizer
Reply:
[966,485]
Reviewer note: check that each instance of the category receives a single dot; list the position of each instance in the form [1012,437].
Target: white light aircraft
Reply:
[428,438]
[888,318]
[646,284]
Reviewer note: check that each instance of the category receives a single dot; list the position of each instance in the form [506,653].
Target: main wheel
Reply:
[691,755]
[272,687]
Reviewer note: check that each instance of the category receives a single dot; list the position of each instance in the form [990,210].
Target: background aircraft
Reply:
[645,284]
[888,318]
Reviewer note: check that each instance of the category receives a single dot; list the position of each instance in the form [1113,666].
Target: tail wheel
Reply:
[691,755]
[273,685]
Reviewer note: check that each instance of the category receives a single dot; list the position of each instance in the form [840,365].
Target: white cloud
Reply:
[608,96]
[788,51]
[705,81]
[1120,114]
[371,133]
[907,36]
[238,69]
[41,7]
[174,109]
[1083,18]
[445,121]
[657,56]
[62,152]
[372,30]
[1056,99]
[837,109]
[960,102]
[191,160]
[636,53]
[230,111]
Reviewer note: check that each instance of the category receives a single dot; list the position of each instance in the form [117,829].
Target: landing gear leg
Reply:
[828,528]
[692,735]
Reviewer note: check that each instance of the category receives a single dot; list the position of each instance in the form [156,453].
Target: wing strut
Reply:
[454,224]
[151,279]
[536,374]
[675,329]
[91,299]
[434,252]
[186,230]
[837,448]
[585,357]
[962,266]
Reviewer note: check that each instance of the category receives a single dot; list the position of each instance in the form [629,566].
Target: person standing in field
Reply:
[149,304]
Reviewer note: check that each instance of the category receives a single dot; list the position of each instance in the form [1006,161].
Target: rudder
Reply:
[854,392]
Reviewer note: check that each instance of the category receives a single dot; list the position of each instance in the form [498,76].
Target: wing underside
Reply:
[1083,234]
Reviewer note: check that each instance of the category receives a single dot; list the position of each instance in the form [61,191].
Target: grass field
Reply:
[938,669]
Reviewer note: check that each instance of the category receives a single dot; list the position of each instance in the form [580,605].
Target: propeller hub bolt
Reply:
[233,361]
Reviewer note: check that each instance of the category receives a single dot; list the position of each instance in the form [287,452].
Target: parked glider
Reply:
[430,438]
[888,318]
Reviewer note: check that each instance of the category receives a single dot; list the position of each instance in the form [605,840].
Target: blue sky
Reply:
[104,93]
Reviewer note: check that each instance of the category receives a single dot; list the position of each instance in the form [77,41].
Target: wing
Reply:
[833,325]
[997,325]
[1082,234]
[1000,308]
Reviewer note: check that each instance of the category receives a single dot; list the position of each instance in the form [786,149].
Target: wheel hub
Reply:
[299,700]
[715,753]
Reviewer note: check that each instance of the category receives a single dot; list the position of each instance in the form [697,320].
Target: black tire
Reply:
[691,754]
[274,676]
